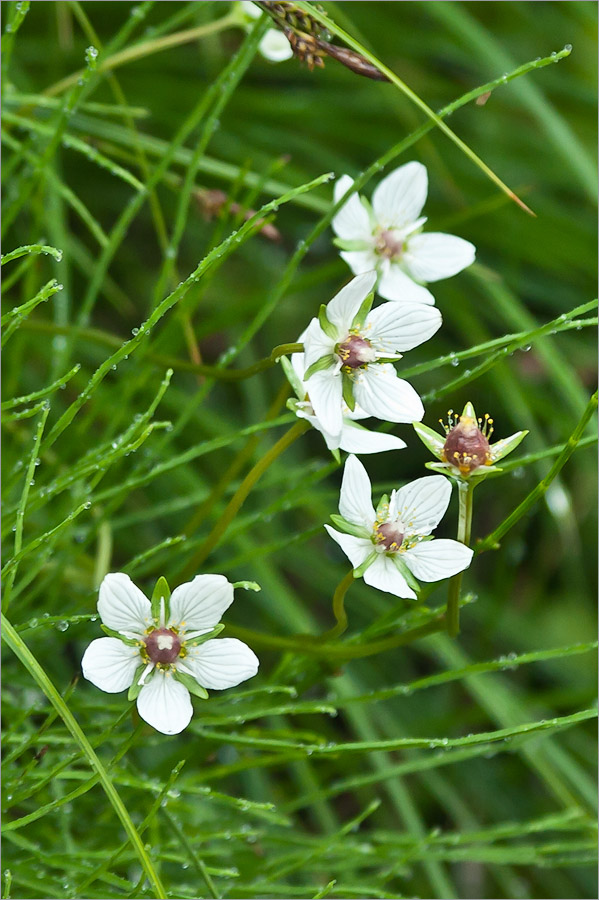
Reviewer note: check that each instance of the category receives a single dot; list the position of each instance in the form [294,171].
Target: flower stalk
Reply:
[465,493]
[240,495]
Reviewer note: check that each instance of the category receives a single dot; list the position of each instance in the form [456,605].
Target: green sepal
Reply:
[348,391]
[368,207]
[501,448]
[292,377]
[342,524]
[383,507]
[365,307]
[336,455]
[351,246]
[325,362]
[359,572]
[247,585]
[161,592]
[191,684]
[121,637]
[133,692]
[400,564]
[432,440]
[202,638]
[327,326]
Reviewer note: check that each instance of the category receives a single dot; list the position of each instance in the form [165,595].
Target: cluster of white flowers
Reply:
[165,649]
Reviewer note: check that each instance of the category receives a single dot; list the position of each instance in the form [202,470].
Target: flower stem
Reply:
[339,607]
[466,490]
[145,48]
[238,498]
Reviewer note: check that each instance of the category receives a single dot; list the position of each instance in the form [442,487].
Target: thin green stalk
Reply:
[491,542]
[324,19]
[339,607]
[338,651]
[240,495]
[20,649]
[29,480]
[238,463]
[465,492]
[197,860]
[138,51]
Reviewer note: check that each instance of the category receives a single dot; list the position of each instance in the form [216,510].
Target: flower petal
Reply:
[402,328]
[381,393]
[164,703]
[355,499]
[345,304]
[360,260]
[122,606]
[399,197]
[275,47]
[356,549]
[396,285]
[421,504]
[316,344]
[200,604]
[222,663]
[351,222]
[326,397]
[437,559]
[110,664]
[429,257]
[384,575]
[355,439]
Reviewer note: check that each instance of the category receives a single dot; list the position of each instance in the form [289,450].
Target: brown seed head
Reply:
[466,446]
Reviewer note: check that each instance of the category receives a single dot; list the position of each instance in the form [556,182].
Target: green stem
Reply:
[172,362]
[240,495]
[145,49]
[466,490]
[491,541]
[243,457]
[339,607]
[20,649]
[338,652]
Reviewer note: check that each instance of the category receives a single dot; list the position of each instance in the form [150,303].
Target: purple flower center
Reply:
[388,245]
[390,535]
[356,351]
[162,645]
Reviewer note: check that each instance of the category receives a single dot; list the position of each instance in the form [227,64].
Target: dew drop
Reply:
[62,626]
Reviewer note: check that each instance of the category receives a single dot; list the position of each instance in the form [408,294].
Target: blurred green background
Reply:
[287,124]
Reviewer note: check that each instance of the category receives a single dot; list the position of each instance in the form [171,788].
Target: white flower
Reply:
[387,237]
[391,546]
[353,438]
[274,46]
[348,352]
[161,650]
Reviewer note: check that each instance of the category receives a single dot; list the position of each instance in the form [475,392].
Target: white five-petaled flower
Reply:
[353,438]
[161,650]
[348,352]
[391,546]
[387,236]
[274,46]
